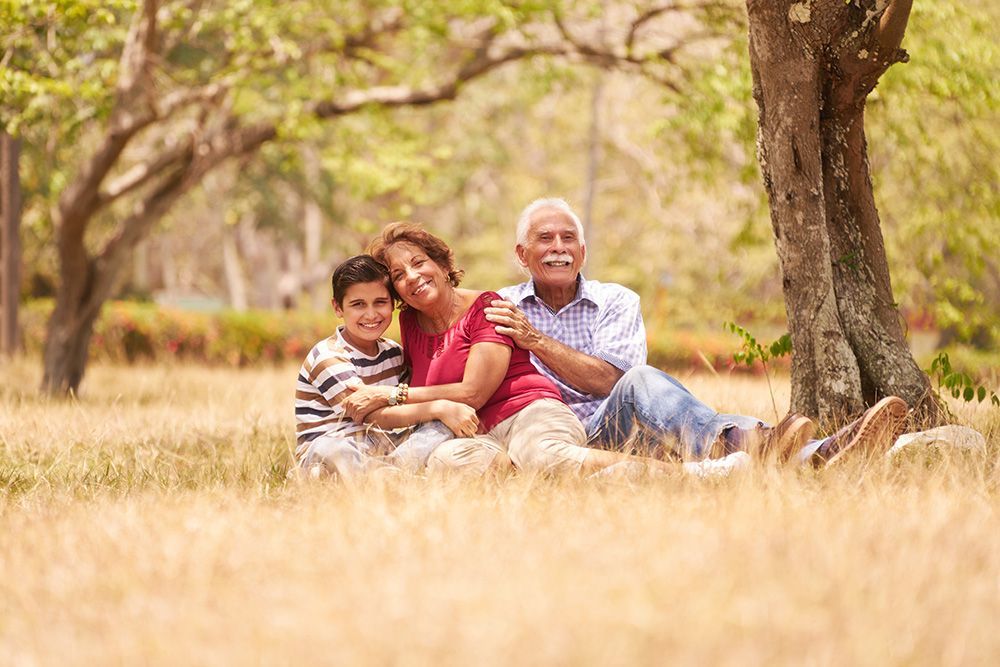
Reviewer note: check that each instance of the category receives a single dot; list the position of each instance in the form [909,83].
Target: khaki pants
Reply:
[544,437]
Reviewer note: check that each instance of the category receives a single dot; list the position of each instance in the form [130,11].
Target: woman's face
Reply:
[418,279]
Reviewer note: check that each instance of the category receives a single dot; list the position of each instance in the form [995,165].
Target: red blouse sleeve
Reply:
[481,330]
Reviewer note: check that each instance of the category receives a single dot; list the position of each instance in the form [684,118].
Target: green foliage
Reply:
[751,350]
[933,145]
[466,167]
[932,141]
[959,384]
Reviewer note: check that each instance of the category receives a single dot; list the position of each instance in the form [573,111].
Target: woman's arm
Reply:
[484,371]
[460,418]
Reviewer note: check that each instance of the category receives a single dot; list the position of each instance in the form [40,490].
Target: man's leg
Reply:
[662,407]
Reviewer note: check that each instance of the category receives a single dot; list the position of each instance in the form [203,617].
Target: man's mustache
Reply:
[558,257]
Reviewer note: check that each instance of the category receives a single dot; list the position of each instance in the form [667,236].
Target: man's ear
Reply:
[337,309]
[583,251]
[519,250]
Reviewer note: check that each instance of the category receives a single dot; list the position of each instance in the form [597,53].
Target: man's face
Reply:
[553,253]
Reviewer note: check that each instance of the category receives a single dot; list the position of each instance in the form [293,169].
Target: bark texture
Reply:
[814,64]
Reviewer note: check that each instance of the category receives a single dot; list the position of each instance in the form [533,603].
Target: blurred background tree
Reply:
[678,211]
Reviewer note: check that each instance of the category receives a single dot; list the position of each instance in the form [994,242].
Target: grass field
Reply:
[149,522]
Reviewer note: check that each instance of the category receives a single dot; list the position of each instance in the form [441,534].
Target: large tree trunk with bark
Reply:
[814,64]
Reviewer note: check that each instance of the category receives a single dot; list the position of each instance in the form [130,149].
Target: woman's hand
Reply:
[459,417]
[363,400]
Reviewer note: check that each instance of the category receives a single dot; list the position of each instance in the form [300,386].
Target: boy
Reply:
[330,442]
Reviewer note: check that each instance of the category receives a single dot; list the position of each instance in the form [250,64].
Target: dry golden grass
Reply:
[150,522]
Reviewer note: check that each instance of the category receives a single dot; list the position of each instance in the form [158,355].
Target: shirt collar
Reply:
[584,292]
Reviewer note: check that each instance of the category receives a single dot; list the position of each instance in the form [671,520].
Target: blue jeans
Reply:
[651,406]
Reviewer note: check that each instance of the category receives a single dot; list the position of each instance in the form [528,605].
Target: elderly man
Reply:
[589,338]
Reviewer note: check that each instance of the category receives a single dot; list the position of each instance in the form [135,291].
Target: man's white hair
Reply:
[524,221]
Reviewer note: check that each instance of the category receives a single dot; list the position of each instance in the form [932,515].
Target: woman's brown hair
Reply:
[414,234]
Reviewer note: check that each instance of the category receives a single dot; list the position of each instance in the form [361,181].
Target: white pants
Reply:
[349,457]
[546,436]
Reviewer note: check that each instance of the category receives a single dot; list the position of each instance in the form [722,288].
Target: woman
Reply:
[454,353]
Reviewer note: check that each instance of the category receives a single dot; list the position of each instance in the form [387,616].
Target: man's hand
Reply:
[363,400]
[584,372]
[459,417]
[512,322]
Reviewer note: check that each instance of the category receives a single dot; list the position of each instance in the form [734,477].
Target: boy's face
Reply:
[367,311]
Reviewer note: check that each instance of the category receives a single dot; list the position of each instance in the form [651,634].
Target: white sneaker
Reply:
[723,467]
[959,437]
[631,471]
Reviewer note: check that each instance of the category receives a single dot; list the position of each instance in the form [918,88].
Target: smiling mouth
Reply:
[371,326]
[558,264]
[421,287]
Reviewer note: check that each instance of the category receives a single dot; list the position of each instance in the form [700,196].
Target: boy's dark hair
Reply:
[358,269]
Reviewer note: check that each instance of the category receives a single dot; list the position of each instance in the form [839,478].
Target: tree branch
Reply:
[133,229]
[139,45]
[142,173]
[653,12]
[81,198]
[892,25]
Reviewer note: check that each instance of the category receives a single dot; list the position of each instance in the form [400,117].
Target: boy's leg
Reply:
[336,455]
[412,454]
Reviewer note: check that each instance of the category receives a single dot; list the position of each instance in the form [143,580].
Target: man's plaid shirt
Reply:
[604,321]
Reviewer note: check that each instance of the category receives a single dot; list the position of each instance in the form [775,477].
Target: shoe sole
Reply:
[882,424]
[795,438]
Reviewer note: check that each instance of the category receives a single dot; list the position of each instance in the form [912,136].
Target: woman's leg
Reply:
[476,456]
[547,437]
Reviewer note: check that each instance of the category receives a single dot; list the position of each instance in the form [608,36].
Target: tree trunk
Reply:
[65,356]
[85,282]
[10,242]
[236,284]
[825,377]
[860,270]
[313,222]
[813,65]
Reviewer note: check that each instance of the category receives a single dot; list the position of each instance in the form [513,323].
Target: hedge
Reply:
[129,331]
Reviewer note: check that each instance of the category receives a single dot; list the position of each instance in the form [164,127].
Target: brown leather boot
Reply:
[788,437]
[873,432]
[764,443]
